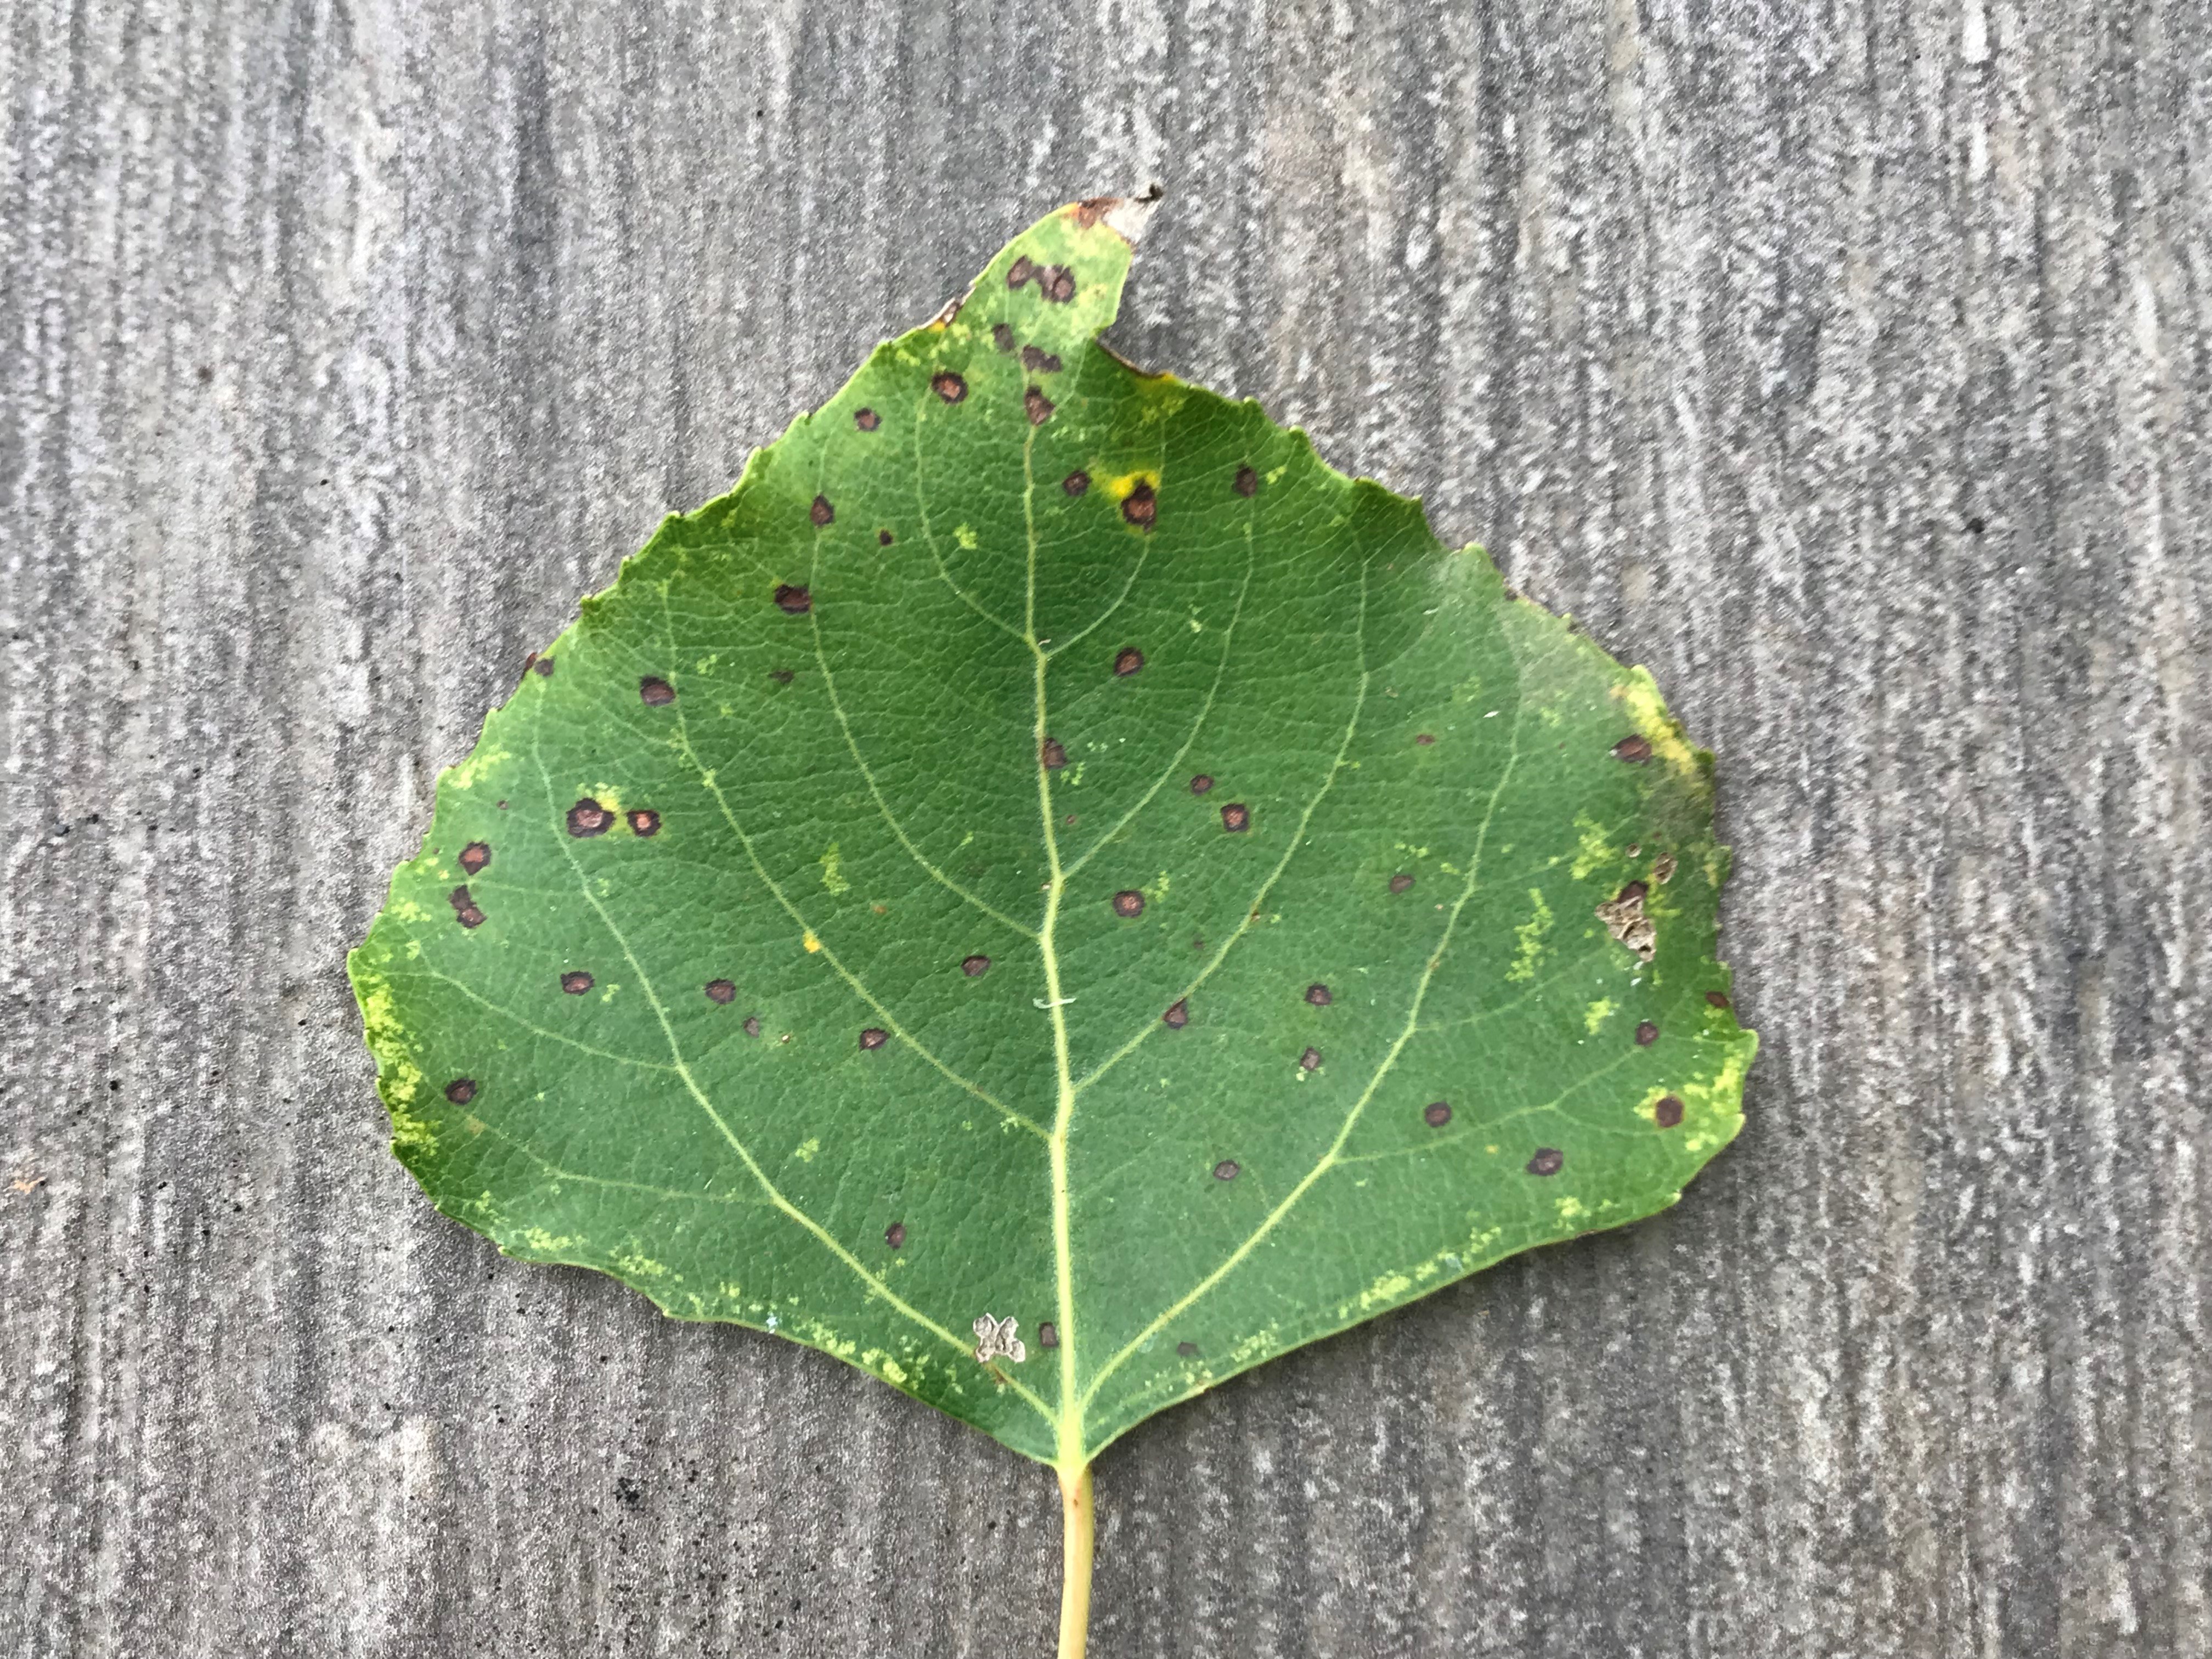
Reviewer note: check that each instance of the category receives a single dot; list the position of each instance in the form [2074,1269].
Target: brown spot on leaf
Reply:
[1091,208]
[1247,481]
[1051,755]
[793,599]
[781,675]
[751,1027]
[976,967]
[1128,902]
[1201,783]
[895,1234]
[721,991]
[1039,362]
[1002,337]
[644,821]
[1662,868]
[576,982]
[874,1036]
[470,916]
[1667,1111]
[655,692]
[1646,1034]
[1236,818]
[1187,1350]
[475,856]
[587,817]
[1310,1060]
[1038,406]
[1047,1334]
[1635,747]
[1177,1016]
[948,386]
[1548,1161]
[1020,272]
[543,668]
[1076,481]
[822,513]
[866,419]
[1436,1114]
[1127,660]
[1058,284]
[1227,1169]
[1424,740]
[461,1090]
[1140,507]
[882,538]
[1318,994]
[1625,920]
[1401,882]
[1718,999]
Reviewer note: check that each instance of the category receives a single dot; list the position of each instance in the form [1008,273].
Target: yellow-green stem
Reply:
[1075,1571]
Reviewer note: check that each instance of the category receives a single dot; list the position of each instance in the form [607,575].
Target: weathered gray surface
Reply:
[1847,363]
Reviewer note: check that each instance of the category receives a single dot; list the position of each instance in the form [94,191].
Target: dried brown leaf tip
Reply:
[1038,406]
[793,599]
[1635,748]
[822,513]
[1091,208]
[655,692]
[1140,507]
[475,856]
[587,817]
[1623,918]
[948,386]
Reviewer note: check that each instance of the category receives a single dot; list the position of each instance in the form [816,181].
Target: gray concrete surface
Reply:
[1846,362]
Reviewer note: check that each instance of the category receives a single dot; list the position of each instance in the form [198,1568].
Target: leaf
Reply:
[1045,849]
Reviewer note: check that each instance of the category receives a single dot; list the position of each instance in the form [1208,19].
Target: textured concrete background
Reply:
[1846,362]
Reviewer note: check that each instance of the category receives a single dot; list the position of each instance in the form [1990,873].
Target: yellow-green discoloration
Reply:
[1530,935]
[1594,848]
[1639,694]
[806,1150]
[833,879]
[1596,1014]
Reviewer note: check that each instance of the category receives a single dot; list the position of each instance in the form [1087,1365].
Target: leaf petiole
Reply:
[1075,1571]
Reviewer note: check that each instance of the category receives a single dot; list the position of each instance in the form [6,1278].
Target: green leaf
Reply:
[1045,846]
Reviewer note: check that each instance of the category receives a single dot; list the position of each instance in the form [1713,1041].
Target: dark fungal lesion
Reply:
[475,856]
[950,386]
[465,908]
[655,692]
[1140,507]
[588,819]
[576,982]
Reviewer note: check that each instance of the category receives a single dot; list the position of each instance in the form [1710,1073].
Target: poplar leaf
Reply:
[1048,892]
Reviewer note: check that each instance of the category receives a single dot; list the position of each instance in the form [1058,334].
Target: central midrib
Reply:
[1069,1420]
